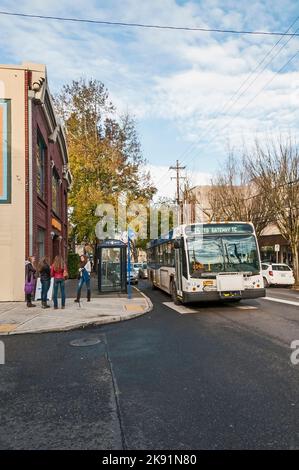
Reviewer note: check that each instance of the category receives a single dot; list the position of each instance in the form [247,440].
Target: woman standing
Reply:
[84,277]
[45,279]
[30,273]
[59,272]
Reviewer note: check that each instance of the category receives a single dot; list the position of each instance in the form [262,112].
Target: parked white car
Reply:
[276,274]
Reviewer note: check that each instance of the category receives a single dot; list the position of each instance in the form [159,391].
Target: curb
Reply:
[81,325]
[148,300]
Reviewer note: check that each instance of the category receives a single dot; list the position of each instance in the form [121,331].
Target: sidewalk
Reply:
[16,318]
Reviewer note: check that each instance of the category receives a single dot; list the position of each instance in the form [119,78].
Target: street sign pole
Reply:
[129,268]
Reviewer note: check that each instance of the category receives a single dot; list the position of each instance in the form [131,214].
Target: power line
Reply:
[256,95]
[237,95]
[251,100]
[185,156]
[165,27]
[149,26]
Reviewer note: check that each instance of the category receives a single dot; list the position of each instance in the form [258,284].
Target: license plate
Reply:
[208,283]
[230,294]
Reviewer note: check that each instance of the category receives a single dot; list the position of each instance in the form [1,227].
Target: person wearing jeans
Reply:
[59,284]
[45,279]
[84,277]
[58,271]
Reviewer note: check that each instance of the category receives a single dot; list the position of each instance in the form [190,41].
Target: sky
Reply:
[194,95]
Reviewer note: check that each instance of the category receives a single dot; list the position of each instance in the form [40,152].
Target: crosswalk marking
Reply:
[182,309]
[282,301]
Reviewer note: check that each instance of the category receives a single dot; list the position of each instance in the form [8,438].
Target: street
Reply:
[215,376]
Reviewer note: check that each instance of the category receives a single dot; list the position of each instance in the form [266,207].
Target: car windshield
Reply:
[222,254]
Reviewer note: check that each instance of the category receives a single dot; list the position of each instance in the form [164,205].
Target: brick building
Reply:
[34,174]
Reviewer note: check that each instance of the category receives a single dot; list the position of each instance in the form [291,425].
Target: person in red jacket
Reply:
[59,272]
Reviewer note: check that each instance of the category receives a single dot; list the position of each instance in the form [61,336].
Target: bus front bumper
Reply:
[210,296]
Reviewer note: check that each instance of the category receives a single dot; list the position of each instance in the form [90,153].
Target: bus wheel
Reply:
[174,294]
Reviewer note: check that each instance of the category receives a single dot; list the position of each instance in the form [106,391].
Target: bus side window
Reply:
[165,254]
[172,259]
[171,254]
[160,255]
[184,259]
[156,260]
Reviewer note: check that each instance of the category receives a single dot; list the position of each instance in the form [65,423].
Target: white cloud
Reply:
[183,77]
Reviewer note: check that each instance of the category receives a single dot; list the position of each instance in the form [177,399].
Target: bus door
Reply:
[178,267]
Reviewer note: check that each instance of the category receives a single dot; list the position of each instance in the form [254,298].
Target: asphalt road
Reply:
[212,377]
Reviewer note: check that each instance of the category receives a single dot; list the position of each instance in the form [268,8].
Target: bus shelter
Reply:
[112,266]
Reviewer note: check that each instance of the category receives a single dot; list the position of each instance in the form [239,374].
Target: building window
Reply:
[40,166]
[5,152]
[56,192]
[41,242]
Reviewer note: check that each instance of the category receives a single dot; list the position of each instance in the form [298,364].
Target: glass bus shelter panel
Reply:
[112,266]
[111,269]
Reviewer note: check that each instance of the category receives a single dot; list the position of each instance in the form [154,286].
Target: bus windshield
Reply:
[214,254]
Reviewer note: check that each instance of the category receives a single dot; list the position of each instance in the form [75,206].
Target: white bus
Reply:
[202,262]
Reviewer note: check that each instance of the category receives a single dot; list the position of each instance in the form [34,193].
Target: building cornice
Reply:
[41,95]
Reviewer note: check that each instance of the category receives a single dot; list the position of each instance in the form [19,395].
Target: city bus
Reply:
[207,262]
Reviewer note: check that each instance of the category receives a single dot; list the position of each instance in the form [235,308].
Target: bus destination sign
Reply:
[218,229]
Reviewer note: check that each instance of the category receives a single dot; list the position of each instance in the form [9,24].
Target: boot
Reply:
[29,301]
[45,305]
[88,295]
[77,299]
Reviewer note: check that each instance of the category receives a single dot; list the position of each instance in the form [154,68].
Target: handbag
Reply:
[29,286]
[65,274]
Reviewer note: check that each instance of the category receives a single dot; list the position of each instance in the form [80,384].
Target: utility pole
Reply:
[178,168]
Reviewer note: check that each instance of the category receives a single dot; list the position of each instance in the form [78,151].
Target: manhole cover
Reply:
[85,342]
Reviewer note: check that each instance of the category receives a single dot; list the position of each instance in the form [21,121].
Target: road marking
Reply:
[183,310]
[285,294]
[245,307]
[282,301]
[180,308]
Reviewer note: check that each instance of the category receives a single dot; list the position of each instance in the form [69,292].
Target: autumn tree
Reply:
[234,195]
[274,167]
[104,154]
